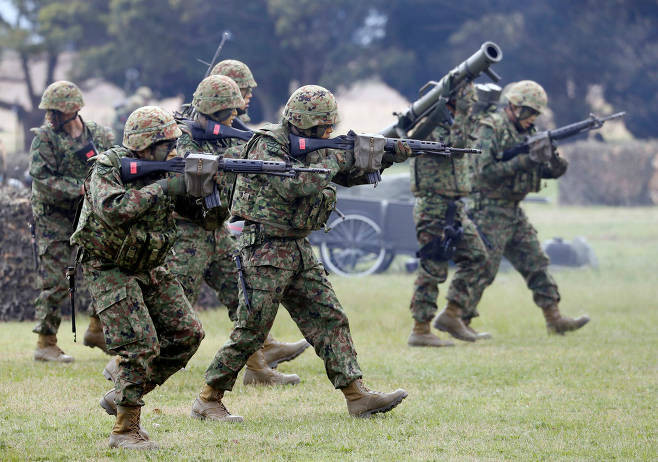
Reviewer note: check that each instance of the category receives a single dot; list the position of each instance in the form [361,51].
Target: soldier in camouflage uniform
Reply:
[126,231]
[241,74]
[438,183]
[141,97]
[59,154]
[279,264]
[503,183]
[201,254]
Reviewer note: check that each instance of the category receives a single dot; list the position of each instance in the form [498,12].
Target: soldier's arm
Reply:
[493,169]
[116,204]
[186,145]
[556,167]
[103,137]
[50,185]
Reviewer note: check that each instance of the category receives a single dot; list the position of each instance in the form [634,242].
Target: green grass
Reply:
[524,395]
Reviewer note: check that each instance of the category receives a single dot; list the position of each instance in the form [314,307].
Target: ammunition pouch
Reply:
[368,152]
[200,172]
[142,251]
[312,212]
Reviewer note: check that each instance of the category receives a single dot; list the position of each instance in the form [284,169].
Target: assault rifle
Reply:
[300,146]
[488,54]
[215,131]
[591,123]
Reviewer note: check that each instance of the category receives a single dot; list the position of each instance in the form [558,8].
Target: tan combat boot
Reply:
[421,336]
[47,350]
[259,373]
[450,320]
[278,352]
[111,370]
[362,402]
[478,335]
[208,405]
[556,323]
[127,433]
[108,403]
[94,335]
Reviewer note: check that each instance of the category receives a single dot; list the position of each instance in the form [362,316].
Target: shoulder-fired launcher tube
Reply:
[488,54]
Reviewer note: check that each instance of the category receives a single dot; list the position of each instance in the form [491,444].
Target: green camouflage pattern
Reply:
[281,268]
[57,177]
[148,125]
[502,185]
[527,93]
[309,106]
[215,93]
[147,321]
[123,111]
[145,316]
[63,96]
[236,70]
[278,202]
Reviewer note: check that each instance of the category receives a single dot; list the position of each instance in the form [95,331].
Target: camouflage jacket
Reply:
[515,178]
[59,164]
[278,203]
[115,215]
[446,176]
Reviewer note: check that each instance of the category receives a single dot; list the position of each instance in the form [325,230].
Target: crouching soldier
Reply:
[126,231]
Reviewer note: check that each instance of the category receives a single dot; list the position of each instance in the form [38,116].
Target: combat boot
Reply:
[478,335]
[259,373]
[450,320]
[111,370]
[47,350]
[108,403]
[421,336]
[208,405]
[94,335]
[557,324]
[278,352]
[127,433]
[362,402]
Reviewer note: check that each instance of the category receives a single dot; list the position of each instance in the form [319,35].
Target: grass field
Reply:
[524,395]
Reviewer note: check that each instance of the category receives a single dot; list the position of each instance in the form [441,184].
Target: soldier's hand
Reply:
[173,185]
[402,151]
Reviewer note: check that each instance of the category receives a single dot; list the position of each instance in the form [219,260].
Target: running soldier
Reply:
[126,231]
[503,183]
[59,155]
[279,264]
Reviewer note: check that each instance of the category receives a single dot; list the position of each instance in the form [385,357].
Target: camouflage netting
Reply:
[17,274]
[615,173]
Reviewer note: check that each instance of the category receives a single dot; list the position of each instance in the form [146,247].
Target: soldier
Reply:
[200,254]
[126,231]
[503,183]
[59,154]
[438,183]
[279,264]
[241,74]
[141,97]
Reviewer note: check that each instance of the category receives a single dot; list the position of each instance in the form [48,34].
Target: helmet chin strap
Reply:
[63,123]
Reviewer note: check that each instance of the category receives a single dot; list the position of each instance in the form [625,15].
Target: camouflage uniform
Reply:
[140,98]
[241,74]
[436,182]
[58,168]
[502,185]
[147,320]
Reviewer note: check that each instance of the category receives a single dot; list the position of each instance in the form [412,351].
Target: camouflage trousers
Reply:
[200,255]
[147,321]
[53,230]
[507,229]
[470,256]
[285,271]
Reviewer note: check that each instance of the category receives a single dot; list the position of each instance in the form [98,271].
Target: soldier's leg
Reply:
[54,257]
[221,273]
[177,326]
[190,257]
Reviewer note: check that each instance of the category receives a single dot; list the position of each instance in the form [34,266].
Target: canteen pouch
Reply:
[200,171]
[368,152]
[141,251]
[312,212]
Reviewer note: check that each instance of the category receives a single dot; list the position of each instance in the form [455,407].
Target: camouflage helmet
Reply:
[309,106]
[144,92]
[148,125]
[237,70]
[215,93]
[62,96]
[527,93]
